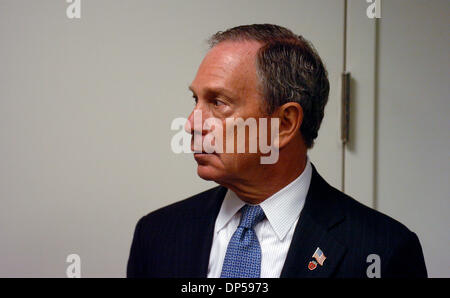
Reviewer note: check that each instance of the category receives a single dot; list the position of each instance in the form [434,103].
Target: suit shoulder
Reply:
[365,231]
[370,219]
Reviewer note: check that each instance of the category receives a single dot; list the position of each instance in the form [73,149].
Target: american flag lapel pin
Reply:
[319,256]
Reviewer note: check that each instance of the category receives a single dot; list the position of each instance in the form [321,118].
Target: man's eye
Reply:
[218,102]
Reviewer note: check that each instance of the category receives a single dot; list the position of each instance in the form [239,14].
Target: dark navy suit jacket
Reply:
[175,241]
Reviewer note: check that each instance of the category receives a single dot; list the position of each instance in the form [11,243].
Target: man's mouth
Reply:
[203,157]
[202,152]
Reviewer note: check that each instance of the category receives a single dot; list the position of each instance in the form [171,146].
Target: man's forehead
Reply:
[231,53]
[228,61]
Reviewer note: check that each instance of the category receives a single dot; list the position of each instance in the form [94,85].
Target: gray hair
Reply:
[289,69]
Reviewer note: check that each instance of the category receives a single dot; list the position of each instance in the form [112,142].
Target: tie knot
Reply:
[251,215]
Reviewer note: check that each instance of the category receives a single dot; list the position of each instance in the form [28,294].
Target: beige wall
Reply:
[85,113]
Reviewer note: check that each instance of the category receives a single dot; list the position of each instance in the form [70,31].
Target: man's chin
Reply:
[207,172]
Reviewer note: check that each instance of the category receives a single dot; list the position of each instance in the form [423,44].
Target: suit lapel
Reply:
[319,215]
[200,243]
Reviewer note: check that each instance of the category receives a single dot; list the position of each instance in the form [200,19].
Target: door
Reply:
[398,158]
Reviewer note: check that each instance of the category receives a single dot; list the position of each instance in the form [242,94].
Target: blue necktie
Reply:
[243,256]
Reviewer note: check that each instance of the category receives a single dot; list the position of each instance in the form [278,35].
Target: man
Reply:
[279,219]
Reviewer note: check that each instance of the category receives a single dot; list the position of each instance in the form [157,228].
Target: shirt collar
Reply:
[282,208]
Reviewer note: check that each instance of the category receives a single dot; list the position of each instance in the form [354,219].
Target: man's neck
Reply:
[272,178]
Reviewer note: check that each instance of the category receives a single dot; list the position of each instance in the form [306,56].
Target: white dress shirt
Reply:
[274,233]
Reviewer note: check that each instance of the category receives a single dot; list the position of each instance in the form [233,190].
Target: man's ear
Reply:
[291,118]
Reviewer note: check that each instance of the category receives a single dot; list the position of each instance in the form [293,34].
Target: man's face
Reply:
[226,86]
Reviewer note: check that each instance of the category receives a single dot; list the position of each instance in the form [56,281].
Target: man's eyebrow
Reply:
[216,90]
